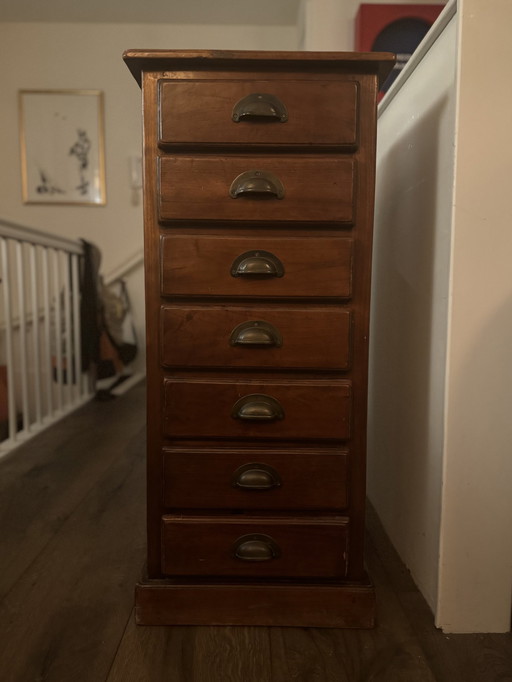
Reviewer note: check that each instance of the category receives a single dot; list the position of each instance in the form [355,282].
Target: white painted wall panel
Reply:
[441,383]
[475,587]
[415,168]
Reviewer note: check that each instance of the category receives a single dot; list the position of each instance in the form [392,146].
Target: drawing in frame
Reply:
[62,147]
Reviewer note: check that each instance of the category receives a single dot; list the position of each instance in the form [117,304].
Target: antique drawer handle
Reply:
[257,407]
[255,333]
[256,476]
[260,106]
[257,183]
[256,547]
[257,264]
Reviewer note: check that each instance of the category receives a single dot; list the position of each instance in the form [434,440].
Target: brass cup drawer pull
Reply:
[260,107]
[256,547]
[257,184]
[256,476]
[257,407]
[256,333]
[257,264]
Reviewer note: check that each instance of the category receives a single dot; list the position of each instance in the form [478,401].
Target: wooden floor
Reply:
[72,548]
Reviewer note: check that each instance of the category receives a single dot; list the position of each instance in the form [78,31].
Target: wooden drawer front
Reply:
[218,478]
[287,338]
[291,548]
[316,113]
[315,189]
[220,266]
[289,410]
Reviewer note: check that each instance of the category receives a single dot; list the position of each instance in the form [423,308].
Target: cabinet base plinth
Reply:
[347,605]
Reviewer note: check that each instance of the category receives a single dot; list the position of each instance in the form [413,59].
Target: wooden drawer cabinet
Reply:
[259,177]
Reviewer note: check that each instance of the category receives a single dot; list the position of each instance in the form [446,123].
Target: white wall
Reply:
[415,167]
[88,56]
[41,55]
[441,381]
[475,581]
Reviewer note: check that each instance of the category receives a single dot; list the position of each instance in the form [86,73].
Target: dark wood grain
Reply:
[298,338]
[152,310]
[322,112]
[68,616]
[315,391]
[200,265]
[315,189]
[193,654]
[139,61]
[65,613]
[313,547]
[264,603]
[306,478]
[478,657]
[315,409]
[31,475]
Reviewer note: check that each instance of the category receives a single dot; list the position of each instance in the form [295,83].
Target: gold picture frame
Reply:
[62,142]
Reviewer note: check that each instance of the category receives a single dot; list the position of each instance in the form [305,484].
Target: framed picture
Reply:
[62,147]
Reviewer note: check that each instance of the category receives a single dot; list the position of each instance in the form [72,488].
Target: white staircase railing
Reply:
[41,376]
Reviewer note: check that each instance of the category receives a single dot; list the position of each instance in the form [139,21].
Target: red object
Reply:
[371,20]
[393,28]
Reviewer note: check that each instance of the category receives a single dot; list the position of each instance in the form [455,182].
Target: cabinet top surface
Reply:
[139,61]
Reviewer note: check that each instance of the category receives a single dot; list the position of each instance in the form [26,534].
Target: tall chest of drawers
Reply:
[258,208]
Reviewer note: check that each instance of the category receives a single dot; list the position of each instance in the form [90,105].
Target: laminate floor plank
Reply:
[64,617]
[72,543]
[46,479]
[452,657]
[193,654]
[388,653]
[232,654]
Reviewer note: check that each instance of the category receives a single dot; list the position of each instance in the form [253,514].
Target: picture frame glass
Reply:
[62,146]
